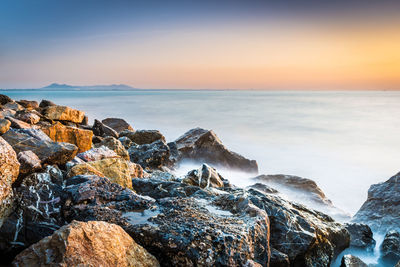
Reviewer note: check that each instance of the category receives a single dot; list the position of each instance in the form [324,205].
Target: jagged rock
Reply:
[63,113]
[142,137]
[79,137]
[87,244]
[46,103]
[13,105]
[361,236]
[9,170]
[18,124]
[118,170]
[115,145]
[97,153]
[398,264]
[381,211]
[103,130]
[152,156]
[29,161]
[28,117]
[39,143]
[263,188]
[38,202]
[203,145]
[28,104]
[178,231]
[5,99]
[279,259]
[390,248]
[205,176]
[5,112]
[117,124]
[352,261]
[125,141]
[4,126]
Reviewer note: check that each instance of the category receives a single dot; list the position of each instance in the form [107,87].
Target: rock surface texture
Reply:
[62,113]
[352,261]
[117,124]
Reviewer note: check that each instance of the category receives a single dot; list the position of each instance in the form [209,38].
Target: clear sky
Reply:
[302,44]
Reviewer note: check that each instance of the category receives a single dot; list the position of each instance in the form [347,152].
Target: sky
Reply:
[273,45]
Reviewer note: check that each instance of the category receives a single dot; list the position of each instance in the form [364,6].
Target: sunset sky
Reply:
[299,45]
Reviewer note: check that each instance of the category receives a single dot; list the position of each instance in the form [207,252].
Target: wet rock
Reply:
[5,99]
[125,141]
[142,137]
[18,124]
[361,236]
[98,153]
[29,161]
[205,176]
[117,124]
[263,188]
[390,248]
[203,145]
[28,104]
[381,211]
[87,244]
[46,103]
[352,261]
[279,259]
[63,113]
[4,126]
[103,130]
[79,137]
[38,202]
[28,117]
[9,170]
[152,156]
[39,143]
[115,145]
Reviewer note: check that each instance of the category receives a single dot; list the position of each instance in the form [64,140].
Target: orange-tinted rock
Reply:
[63,113]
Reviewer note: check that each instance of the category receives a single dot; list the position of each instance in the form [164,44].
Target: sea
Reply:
[343,140]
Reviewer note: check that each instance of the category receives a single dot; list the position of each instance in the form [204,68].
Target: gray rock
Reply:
[390,248]
[361,236]
[142,137]
[117,124]
[150,156]
[46,103]
[205,176]
[352,261]
[103,130]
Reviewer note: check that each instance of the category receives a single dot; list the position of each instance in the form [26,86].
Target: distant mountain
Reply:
[120,87]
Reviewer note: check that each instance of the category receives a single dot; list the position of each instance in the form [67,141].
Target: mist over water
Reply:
[345,141]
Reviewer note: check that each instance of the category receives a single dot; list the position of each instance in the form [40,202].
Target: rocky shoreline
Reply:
[106,195]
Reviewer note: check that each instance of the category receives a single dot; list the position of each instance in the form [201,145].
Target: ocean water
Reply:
[345,141]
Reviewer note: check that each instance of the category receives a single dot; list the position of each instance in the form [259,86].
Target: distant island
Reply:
[67,87]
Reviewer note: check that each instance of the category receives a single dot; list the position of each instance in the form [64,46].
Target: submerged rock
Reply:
[152,156]
[63,113]
[390,248]
[203,145]
[39,143]
[361,236]
[352,261]
[117,124]
[381,211]
[4,126]
[79,137]
[87,244]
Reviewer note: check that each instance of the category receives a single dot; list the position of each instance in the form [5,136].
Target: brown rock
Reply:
[82,169]
[5,99]
[142,137]
[29,161]
[9,169]
[97,153]
[28,104]
[18,124]
[115,145]
[117,124]
[103,130]
[28,117]
[79,137]
[93,243]
[46,103]
[4,126]
[63,113]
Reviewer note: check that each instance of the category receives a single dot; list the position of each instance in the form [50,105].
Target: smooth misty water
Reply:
[345,141]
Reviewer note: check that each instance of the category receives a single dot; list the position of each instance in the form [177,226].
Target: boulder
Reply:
[205,176]
[390,248]
[90,243]
[5,99]
[361,236]
[142,137]
[46,103]
[18,124]
[115,145]
[28,104]
[9,170]
[36,214]
[28,117]
[100,129]
[13,105]
[352,261]
[381,210]
[79,137]
[4,126]
[97,153]
[63,113]
[29,161]
[117,124]
[204,145]
[150,156]
[39,143]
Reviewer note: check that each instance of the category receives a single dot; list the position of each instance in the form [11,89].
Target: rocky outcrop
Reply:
[204,145]
[390,248]
[39,143]
[4,126]
[361,236]
[381,211]
[150,156]
[87,244]
[62,113]
[205,176]
[117,124]
[115,145]
[142,137]
[9,170]
[100,129]
[352,261]
[79,137]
